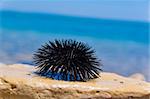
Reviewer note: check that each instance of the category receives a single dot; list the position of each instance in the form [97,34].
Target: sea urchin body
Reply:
[67,60]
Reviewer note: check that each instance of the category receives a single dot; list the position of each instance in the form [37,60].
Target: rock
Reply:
[19,82]
[137,76]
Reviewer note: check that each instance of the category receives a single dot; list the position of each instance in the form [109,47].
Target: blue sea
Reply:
[121,45]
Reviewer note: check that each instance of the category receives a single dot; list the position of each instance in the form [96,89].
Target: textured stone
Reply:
[138,76]
[19,82]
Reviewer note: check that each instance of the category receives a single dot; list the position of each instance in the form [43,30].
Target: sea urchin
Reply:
[67,60]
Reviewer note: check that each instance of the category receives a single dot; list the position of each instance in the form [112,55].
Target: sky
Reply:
[136,10]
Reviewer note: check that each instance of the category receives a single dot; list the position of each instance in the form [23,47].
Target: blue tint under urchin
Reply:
[57,76]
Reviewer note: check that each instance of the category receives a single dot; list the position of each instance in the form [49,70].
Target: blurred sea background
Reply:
[121,43]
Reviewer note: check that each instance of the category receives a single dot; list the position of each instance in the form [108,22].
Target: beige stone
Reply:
[138,76]
[18,82]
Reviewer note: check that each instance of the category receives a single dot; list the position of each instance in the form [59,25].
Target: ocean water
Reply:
[121,45]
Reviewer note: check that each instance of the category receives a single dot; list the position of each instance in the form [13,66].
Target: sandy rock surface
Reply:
[138,76]
[18,82]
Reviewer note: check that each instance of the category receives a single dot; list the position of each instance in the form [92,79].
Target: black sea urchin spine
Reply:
[67,60]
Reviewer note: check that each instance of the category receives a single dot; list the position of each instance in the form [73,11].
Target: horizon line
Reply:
[74,16]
